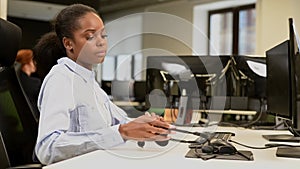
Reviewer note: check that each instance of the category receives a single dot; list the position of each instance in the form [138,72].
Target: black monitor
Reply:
[122,90]
[139,91]
[282,81]
[212,82]
[198,75]
[253,72]
[106,86]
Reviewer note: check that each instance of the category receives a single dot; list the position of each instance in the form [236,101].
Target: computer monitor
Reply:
[196,74]
[253,81]
[139,91]
[253,72]
[122,90]
[282,80]
[106,86]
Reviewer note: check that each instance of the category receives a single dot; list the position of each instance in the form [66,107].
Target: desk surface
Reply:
[172,156]
[237,112]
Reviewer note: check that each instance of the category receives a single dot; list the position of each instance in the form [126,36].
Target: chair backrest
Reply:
[17,123]
[33,108]
[4,160]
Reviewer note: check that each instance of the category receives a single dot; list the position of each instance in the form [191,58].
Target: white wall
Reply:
[3,9]
[272,22]
[164,28]
[124,34]
[168,29]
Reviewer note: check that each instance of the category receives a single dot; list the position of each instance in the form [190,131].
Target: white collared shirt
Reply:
[76,115]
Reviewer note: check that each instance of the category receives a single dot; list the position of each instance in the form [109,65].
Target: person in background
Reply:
[76,115]
[30,84]
[46,52]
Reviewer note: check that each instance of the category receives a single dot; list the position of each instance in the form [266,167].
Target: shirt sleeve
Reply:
[55,140]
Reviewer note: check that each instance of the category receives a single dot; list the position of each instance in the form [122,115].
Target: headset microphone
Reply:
[164,143]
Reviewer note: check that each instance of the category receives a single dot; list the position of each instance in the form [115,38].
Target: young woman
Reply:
[46,52]
[30,84]
[76,115]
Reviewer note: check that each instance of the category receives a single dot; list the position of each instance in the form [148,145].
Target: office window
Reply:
[221,33]
[139,72]
[108,68]
[122,67]
[232,31]
[247,31]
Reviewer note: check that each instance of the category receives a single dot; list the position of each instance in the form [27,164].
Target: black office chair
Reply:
[33,108]
[17,123]
[4,161]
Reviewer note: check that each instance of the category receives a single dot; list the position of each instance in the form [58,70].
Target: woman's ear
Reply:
[68,44]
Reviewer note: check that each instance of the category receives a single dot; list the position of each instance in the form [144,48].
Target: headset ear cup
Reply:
[207,149]
[230,150]
[162,143]
[141,144]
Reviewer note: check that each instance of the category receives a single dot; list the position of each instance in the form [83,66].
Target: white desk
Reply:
[126,103]
[172,156]
[237,112]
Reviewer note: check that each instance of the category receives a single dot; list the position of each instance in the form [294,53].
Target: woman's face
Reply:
[89,45]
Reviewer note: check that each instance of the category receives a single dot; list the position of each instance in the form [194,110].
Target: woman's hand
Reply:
[148,127]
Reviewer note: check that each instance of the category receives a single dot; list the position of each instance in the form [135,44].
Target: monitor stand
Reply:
[285,151]
[291,152]
[282,138]
[293,136]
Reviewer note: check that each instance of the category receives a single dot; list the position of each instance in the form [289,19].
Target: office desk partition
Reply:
[172,156]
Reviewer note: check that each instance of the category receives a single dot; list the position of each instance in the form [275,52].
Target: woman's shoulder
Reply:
[59,72]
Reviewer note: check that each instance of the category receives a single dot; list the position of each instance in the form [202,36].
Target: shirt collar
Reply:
[83,72]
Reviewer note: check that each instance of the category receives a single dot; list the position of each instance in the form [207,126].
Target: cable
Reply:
[244,145]
[271,145]
[247,125]
[291,128]
[206,136]
[227,124]
[277,125]
[183,141]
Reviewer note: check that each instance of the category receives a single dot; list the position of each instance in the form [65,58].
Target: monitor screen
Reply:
[279,82]
[197,75]
[106,86]
[139,91]
[122,90]
[253,72]
[282,77]
[183,69]
[294,50]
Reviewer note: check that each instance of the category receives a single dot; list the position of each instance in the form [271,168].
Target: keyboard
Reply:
[225,136]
